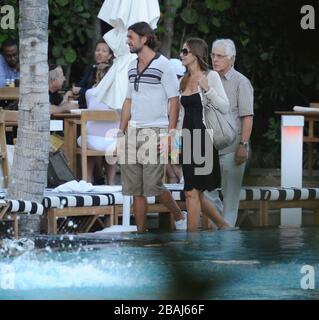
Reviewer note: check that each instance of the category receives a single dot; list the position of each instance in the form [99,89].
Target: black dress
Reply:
[193,119]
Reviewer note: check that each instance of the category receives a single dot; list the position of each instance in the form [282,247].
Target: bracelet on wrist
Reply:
[245,144]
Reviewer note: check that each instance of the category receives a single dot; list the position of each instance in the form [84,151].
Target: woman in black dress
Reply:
[196,141]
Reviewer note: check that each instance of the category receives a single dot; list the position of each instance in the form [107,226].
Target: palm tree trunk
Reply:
[170,9]
[29,171]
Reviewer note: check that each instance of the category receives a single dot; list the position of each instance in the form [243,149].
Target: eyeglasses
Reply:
[185,51]
[218,56]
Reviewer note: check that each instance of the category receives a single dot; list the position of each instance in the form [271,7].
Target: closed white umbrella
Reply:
[121,14]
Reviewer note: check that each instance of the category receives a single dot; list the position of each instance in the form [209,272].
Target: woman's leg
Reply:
[91,163]
[193,206]
[110,170]
[177,171]
[170,174]
[98,173]
[210,211]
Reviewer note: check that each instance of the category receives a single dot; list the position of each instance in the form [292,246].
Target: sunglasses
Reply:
[185,51]
[136,83]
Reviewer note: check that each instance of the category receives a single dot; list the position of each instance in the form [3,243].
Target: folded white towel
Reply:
[85,187]
[74,186]
[305,109]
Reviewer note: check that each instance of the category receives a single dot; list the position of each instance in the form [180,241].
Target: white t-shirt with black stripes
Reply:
[150,91]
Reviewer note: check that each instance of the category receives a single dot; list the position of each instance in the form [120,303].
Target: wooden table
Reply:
[310,119]
[8,93]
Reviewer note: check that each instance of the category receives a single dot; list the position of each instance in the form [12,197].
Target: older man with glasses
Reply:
[241,97]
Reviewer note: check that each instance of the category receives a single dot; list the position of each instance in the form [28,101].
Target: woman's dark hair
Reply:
[143,29]
[199,48]
[101,40]
[94,78]
[101,70]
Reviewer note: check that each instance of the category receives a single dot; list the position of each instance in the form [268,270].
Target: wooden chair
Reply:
[88,115]
[6,217]
[6,117]
[10,211]
[76,213]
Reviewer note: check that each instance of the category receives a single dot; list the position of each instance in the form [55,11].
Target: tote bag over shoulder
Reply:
[217,114]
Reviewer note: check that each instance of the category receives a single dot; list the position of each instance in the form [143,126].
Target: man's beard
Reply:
[12,63]
[136,50]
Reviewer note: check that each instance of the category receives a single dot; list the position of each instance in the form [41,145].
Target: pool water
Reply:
[245,264]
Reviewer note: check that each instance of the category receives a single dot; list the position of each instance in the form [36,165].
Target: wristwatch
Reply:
[245,144]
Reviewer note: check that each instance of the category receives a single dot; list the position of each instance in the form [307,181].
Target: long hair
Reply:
[143,29]
[101,70]
[199,49]
[101,40]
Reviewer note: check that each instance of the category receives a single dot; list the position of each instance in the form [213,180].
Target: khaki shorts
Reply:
[142,174]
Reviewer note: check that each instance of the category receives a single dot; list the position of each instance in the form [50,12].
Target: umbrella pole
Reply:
[125,227]
[126,211]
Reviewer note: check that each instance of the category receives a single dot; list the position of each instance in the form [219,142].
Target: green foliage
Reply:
[267,153]
[273,133]
[189,16]
[218,5]
[71,26]
[10,33]
[62,3]
[272,51]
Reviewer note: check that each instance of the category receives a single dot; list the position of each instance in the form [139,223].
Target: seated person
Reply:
[102,54]
[9,70]
[58,103]
[97,132]
[9,62]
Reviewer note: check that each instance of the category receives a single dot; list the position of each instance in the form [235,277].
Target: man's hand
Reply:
[241,155]
[120,144]
[203,83]
[165,144]
[67,96]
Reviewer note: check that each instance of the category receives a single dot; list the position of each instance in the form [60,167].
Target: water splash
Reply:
[9,247]
[48,269]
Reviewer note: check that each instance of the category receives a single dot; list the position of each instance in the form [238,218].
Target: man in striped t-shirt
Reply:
[152,86]
[241,97]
